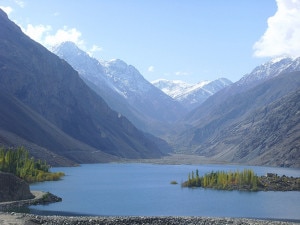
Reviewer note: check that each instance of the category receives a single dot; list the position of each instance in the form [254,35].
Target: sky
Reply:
[188,40]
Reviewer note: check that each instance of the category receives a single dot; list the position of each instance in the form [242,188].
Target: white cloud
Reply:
[20,3]
[151,69]
[41,34]
[37,32]
[63,35]
[6,9]
[45,35]
[282,36]
[96,48]
[93,49]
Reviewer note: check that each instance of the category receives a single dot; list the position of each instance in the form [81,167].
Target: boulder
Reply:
[13,188]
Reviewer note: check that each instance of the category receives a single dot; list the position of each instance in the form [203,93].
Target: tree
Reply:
[224,180]
[17,161]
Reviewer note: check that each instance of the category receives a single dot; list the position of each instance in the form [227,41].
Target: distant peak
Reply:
[159,80]
[65,44]
[202,83]
[224,80]
[68,48]
[278,59]
[163,80]
[118,63]
[69,44]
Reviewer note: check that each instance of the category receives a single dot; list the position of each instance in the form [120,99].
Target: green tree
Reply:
[17,161]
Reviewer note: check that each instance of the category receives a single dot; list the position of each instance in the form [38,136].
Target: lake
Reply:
[136,189]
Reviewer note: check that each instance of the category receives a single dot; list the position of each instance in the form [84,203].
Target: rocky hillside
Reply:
[268,136]
[124,89]
[21,126]
[13,188]
[239,128]
[51,88]
[269,70]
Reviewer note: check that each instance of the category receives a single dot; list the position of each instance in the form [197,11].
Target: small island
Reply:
[245,180]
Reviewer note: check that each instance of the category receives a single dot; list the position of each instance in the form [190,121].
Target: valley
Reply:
[69,108]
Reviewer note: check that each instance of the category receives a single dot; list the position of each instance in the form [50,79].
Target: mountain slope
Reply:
[217,101]
[52,88]
[268,136]
[93,73]
[124,89]
[191,96]
[217,114]
[21,126]
[269,70]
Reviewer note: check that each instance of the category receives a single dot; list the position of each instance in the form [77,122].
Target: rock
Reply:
[47,198]
[13,188]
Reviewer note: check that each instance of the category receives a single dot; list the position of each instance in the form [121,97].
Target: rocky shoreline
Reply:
[29,219]
[39,198]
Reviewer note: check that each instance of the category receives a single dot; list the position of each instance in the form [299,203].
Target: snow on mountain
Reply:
[172,88]
[122,87]
[269,70]
[90,69]
[126,78]
[191,95]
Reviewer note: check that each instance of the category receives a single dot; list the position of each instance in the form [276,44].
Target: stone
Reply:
[13,188]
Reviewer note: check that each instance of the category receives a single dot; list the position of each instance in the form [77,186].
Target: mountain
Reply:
[269,70]
[51,88]
[191,96]
[265,72]
[124,89]
[210,129]
[21,126]
[268,136]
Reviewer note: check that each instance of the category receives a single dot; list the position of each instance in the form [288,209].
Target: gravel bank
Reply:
[27,219]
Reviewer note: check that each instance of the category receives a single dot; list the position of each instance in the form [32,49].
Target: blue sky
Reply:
[189,40]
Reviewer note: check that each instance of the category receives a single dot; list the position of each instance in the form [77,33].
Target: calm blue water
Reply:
[145,189]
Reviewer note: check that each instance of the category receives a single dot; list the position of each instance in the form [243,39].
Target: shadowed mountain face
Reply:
[268,136]
[21,126]
[53,89]
[248,127]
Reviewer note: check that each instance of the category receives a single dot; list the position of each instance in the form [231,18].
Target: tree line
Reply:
[18,162]
[244,180]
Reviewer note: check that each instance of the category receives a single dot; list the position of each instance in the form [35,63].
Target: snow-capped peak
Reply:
[270,69]
[278,59]
[191,94]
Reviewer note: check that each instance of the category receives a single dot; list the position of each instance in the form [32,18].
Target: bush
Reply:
[18,162]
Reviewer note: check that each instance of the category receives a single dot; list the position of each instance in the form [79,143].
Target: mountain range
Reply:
[191,95]
[81,125]
[215,129]
[124,89]
[71,108]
